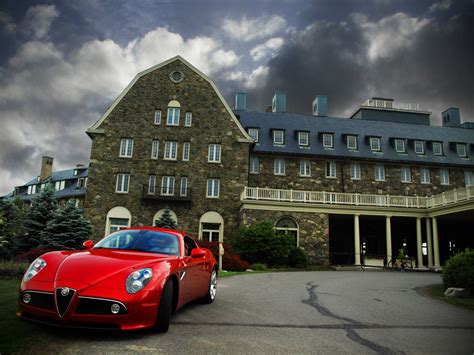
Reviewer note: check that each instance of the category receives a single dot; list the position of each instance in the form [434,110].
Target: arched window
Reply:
[288,226]
[117,218]
[173,113]
[158,215]
[211,227]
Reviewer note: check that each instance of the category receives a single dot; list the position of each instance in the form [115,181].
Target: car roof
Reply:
[157,229]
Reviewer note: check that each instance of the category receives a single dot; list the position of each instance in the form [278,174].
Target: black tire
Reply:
[164,309]
[211,291]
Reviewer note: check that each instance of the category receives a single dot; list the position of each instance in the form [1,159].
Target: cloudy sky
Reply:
[63,62]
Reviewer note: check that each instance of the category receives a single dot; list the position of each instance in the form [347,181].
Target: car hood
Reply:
[92,266]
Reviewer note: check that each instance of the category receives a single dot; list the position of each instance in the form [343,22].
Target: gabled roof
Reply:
[95,127]
[268,121]
[59,175]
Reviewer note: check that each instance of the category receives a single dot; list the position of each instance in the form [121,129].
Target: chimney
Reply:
[451,117]
[46,167]
[240,101]
[279,102]
[320,106]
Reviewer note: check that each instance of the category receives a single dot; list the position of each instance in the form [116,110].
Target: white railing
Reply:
[379,103]
[356,199]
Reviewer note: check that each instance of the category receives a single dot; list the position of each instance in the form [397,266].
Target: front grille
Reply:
[63,301]
[89,305]
[43,300]
[69,324]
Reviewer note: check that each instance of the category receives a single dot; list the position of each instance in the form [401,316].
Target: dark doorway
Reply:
[341,239]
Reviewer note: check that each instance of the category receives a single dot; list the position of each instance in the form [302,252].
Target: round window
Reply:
[176,76]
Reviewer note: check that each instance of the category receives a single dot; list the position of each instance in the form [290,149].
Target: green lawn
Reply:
[15,334]
[437,291]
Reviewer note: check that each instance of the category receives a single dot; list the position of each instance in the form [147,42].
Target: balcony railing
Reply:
[356,199]
[157,193]
[384,104]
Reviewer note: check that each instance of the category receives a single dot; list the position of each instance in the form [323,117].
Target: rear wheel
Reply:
[211,293]
[164,309]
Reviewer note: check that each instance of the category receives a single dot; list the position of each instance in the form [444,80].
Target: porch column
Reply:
[356,240]
[435,243]
[388,238]
[429,242]
[419,252]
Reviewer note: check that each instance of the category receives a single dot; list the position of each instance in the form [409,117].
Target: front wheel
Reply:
[164,309]
[211,293]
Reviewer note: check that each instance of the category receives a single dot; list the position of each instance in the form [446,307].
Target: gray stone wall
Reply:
[133,118]
[313,230]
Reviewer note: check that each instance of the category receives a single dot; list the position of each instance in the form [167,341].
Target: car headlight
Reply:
[138,279]
[35,267]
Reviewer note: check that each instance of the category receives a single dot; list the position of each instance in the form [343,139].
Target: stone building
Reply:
[350,190]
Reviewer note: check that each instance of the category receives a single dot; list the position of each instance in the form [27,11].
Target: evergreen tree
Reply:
[11,226]
[166,221]
[37,217]
[67,229]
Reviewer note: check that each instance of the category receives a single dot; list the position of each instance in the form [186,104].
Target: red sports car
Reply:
[133,278]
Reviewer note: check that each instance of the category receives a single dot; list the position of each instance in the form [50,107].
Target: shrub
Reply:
[260,244]
[12,270]
[258,267]
[298,258]
[459,271]
[230,261]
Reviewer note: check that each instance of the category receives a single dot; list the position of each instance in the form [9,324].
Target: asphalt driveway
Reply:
[304,312]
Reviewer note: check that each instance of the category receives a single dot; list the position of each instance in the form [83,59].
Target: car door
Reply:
[197,276]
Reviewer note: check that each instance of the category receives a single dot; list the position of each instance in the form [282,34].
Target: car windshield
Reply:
[141,240]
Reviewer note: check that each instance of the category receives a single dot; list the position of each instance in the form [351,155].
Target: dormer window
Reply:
[419,147]
[375,144]
[60,185]
[352,142]
[437,148]
[173,113]
[253,133]
[400,145]
[278,137]
[80,183]
[303,139]
[158,117]
[31,189]
[328,140]
[461,150]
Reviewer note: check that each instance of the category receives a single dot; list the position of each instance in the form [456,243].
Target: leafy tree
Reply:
[67,229]
[261,244]
[40,212]
[166,220]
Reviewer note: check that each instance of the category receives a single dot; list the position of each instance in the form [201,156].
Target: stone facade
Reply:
[133,118]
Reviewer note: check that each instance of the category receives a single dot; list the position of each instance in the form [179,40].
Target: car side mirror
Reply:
[198,253]
[88,244]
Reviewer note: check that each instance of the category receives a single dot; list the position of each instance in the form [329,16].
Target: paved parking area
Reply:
[303,312]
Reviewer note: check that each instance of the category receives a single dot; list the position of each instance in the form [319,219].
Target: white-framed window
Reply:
[183,191]
[155,146]
[278,137]
[351,142]
[405,174]
[305,168]
[116,224]
[60,185]
[419,147]
[425,176]
[157,117]
[355,171]
[173,116]
[167,186]
[461,150]
[279,166]
[80,183]
[126,148]
[171,149]
[328,140]
[188,119]
[379,172]
[214,154]
[444,177]
[375,144]
[213,187]
[437,148]
[31,189]
[123,181]
[253,133]
[331,170]
[186,151]
[152,184]
[254,165]
[469,178]
[303,139]
[400,145]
